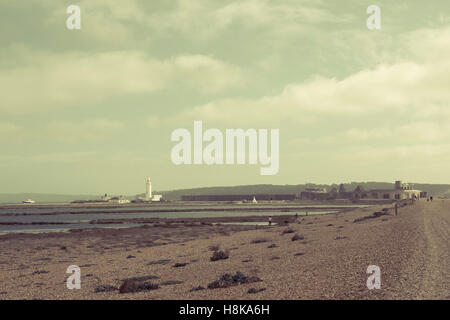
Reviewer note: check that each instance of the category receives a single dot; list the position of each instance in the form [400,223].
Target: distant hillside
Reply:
[439,190]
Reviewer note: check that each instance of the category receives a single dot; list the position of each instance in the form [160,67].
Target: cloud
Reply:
[405,88]
[8,128]
[411,88]
[87,131]
[46,81]
[56,157]
[191,16]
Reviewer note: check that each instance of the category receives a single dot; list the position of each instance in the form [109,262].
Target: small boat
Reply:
[28,201]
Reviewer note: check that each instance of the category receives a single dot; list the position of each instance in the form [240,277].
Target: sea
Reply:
[63,218]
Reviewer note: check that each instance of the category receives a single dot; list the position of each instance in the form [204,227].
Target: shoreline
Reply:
[328,262]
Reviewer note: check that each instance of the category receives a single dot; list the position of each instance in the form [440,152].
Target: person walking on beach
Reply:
[270,221]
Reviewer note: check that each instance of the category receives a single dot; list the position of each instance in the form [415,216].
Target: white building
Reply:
[156,197]
[148,189]
[119,200]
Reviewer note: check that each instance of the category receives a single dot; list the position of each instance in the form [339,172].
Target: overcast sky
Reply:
[92,110]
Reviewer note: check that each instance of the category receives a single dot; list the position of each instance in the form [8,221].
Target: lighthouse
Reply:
[148,190]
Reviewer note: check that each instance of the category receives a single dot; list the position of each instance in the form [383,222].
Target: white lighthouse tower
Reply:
[148,190]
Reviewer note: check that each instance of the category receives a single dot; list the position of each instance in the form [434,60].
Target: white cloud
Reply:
[406,88]
[202,18]
[86,131]
[8,128]
[45,81]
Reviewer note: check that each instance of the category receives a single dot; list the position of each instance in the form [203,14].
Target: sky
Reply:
[91,111]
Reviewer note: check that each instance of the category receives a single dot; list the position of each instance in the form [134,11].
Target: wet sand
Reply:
[329,261]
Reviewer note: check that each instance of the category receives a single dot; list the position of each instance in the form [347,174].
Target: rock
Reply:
[129,286]
[219,255]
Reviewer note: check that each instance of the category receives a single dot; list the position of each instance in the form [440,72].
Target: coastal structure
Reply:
[239,197]
[148,196]
[148,190]
[401,191]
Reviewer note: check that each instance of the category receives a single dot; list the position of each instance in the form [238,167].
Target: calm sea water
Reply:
[80,218]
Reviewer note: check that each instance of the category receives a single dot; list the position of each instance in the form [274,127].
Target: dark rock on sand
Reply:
[219,255]
[177,265]
[197,288]
[171,282]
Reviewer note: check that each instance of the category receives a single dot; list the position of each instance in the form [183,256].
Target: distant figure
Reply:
[296,217]
[270,221]
[306,212]
[431,198]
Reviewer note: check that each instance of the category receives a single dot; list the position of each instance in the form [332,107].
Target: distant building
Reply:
[148,189]
[156,197]
[118,200]
[239,197]
[401,191]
